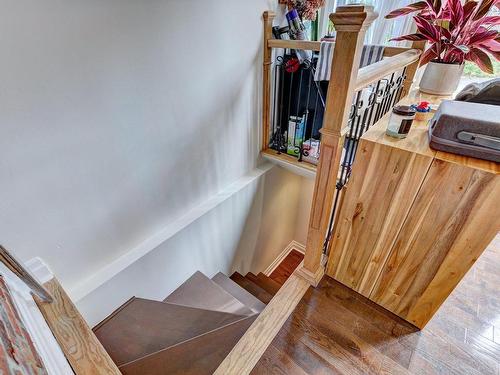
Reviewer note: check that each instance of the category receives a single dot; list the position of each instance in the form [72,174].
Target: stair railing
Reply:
[342,123]
[18,269]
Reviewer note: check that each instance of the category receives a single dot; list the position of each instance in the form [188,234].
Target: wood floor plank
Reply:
[289,341]
[276,362]
[258,337]
[335,330]
[337,315]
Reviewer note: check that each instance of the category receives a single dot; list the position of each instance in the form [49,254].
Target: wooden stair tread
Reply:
[238,292]
[270,283]
[252,287]
[142,327]
[287,266]
[198,356]
[200,292]
[264,282]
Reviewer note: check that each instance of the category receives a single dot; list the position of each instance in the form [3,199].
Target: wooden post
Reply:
[411,70]
[351,23]
[266,87]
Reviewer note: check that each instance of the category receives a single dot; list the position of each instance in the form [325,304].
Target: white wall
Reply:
[116,118]
[244,233]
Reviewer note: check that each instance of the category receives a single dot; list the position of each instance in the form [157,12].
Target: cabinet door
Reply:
[384,183]
[454,217]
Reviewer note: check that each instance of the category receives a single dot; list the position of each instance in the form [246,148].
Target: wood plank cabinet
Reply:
[413,222]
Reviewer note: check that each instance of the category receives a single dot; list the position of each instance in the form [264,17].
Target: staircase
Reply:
[189,332]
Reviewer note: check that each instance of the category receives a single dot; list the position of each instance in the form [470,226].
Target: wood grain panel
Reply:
[454,217]
[351,23]
[484,165]
[384,183]
[80,346]
[417,140]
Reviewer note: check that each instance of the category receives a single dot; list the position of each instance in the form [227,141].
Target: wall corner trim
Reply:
[85,287]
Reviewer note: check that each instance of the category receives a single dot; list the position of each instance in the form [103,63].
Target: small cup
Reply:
[400,121]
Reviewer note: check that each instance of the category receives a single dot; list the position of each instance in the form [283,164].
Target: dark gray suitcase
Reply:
[469,129]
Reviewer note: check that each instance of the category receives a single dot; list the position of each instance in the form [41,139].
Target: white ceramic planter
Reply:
[441,78]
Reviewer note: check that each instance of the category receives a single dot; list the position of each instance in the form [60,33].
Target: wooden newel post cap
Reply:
[268,15]
[353,18]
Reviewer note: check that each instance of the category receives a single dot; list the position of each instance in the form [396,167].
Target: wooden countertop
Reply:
[417,140]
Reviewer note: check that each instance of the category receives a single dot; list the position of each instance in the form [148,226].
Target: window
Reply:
[381,30]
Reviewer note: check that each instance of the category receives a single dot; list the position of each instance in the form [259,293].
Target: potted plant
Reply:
[456,32]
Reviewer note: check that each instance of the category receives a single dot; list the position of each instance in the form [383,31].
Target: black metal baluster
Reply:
[297,113]
[282,89]
[275,105]
[389,95]
[380,108]
[288,110]
[306,113]
[373,102]
[401,82]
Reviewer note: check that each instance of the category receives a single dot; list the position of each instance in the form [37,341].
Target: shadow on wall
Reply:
[123,118]
[244,233]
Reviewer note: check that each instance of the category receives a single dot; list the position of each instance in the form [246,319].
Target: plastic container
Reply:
[400,121]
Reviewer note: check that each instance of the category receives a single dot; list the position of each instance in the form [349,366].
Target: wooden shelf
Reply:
[290,163]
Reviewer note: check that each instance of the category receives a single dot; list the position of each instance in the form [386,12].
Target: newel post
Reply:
[411,70]
[266,84]
[351,23]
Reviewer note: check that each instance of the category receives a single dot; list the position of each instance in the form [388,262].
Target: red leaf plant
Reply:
[456,31]
[307,9]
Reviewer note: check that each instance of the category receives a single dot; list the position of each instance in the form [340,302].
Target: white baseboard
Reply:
[294,245]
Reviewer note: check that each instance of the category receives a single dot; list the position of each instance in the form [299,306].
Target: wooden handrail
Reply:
[391,51]
[383,68]
[16,267]
[294,44]
[315,46]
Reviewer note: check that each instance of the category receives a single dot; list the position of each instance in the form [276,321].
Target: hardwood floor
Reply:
[287,266]
[334,330]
